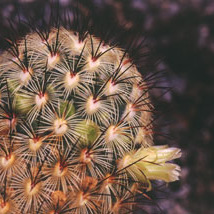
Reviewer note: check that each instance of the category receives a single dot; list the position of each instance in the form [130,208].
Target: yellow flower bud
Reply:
[151,164]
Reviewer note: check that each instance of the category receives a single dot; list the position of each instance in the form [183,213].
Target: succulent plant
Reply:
[75,128]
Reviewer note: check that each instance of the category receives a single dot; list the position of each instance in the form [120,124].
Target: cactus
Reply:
[75,128]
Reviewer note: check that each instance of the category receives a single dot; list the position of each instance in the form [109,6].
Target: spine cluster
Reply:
[75,128]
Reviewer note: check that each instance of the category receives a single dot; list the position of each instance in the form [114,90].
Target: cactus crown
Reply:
[75,128]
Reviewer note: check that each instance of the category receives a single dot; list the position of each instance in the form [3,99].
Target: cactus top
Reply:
[75,127]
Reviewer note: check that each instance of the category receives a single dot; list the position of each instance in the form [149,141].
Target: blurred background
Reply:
[180,36]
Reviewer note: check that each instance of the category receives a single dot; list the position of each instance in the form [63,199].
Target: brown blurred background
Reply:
[180,34]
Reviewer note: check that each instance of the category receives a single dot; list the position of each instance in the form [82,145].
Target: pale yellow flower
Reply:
[152,164]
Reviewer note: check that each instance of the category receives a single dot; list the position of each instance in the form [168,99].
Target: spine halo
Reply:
[76,124]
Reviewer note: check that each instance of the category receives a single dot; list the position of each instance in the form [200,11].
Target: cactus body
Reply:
[75,128]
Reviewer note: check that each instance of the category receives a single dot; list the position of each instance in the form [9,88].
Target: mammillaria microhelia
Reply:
[75,128]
